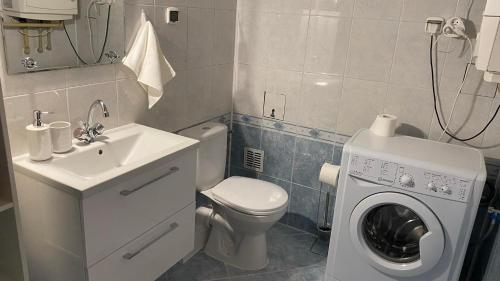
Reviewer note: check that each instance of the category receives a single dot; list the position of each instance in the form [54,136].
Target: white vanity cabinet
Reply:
[131,228]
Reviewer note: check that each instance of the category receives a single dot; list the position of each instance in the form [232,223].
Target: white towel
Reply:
[147,61]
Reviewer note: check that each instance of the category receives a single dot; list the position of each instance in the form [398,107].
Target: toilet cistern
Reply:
[90,130]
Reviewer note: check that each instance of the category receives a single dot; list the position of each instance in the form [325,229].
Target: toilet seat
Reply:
[250,196]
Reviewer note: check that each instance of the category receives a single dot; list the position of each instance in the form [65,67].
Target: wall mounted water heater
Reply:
[41,9]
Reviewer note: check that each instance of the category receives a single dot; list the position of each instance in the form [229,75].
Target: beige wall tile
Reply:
[419,10]
[471,115]
[224,37]
[123,72]
[491,142]
[173,111]
[412,59]
[207,4]
[132,21]
[454,70]
[171,3]
[253,34]
[372,49]
[80,99]
[222,89]
[21,84]
[173,37]
[339,8]
[225,4]
[132,101]
[319,102]
[378,9]
[413,107]
[327,44]
[200,37]
[287,41]
[90,75]
[199,92]
[248,97]
[361,102]
[254,5]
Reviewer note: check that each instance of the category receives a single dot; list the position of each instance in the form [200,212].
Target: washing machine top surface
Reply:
[250,196]
[423,152]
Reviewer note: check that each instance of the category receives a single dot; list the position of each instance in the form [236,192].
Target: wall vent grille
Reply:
[254,159]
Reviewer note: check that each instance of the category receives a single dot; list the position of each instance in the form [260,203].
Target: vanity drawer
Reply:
[119,214]
[150,255]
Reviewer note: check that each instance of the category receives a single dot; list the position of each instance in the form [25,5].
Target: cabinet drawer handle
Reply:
[170,172]
[129,256]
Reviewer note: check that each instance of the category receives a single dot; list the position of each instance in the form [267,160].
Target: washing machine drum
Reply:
[394,232]
[397,234]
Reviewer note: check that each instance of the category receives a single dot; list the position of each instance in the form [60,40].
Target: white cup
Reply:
[60,132]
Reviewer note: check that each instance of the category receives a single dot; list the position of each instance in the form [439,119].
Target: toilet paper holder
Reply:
[328,176]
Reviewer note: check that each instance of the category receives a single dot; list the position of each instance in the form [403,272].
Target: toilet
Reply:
[242,210]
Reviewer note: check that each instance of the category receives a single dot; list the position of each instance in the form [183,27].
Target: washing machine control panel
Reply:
[411,178]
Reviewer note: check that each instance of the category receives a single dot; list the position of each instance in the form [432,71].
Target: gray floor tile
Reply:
[281,229]
[270,276]
[198,268]
[307,274]
[290,258]
[287,252]
[320,248]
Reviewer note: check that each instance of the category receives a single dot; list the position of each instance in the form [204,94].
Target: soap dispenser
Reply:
[39,141]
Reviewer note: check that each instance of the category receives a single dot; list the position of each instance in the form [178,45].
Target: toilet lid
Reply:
[250,196]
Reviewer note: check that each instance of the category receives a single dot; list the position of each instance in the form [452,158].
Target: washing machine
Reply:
[405,209]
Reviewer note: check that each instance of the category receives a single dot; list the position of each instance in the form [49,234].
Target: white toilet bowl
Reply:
[243,209]
[241,219]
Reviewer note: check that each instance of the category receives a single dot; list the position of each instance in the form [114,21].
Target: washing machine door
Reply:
[397,234]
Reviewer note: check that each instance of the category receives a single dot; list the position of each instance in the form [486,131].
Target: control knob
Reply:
[432,186]
[445,189]
[407,180]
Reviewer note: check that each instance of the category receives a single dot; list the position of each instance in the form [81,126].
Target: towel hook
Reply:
[143,16]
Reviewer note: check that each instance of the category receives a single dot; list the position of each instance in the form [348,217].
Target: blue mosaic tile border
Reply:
[329,136]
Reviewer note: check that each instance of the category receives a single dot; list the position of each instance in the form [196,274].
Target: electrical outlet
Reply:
[434,25]
[274,106]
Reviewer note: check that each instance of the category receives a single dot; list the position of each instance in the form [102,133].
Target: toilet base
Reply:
[239,239]
[247,253]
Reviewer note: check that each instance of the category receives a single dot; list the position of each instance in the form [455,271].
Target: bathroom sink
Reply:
[118,152]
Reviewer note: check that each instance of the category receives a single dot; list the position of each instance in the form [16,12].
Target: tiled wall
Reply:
[292,160]
[342,62]
[200,48]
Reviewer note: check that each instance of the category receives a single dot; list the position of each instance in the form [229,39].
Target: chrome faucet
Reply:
[90,130]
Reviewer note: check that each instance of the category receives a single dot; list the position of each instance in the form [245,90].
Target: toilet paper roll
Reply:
[385,125]
[329,174]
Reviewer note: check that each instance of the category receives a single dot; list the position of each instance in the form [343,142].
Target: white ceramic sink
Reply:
[118,152]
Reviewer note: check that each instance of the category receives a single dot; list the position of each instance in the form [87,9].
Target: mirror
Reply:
[95,36]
